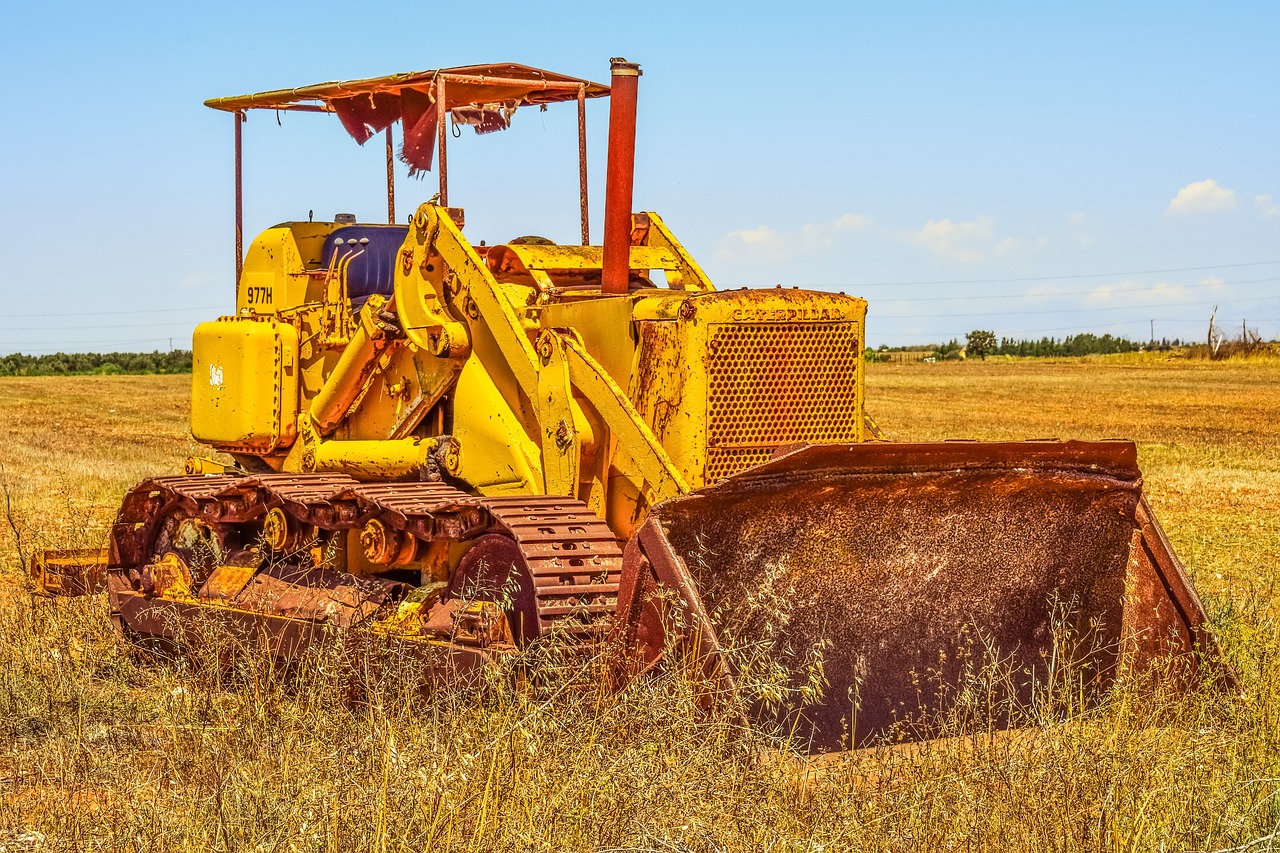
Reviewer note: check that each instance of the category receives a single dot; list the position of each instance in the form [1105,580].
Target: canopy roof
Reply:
[482,96]
[466,86]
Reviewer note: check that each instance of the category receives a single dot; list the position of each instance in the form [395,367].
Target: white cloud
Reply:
[1214,284]
[1004,247]
[762,235]
[967,242]
[1080,230]
[766,243]
[1107,292]
[854,222]
[1201,196]
[1266,203]
[1166,292]
[1131,292]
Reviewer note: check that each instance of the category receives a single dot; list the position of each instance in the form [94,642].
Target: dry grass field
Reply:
[101,750]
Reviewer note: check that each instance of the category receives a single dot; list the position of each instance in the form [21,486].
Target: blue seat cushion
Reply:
[373,250]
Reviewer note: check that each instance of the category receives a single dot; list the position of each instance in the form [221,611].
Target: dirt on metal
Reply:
[911,562]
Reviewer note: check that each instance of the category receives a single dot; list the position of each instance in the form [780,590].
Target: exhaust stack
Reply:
[616,272]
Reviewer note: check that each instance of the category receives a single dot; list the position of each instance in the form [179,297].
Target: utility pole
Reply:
[1153,334]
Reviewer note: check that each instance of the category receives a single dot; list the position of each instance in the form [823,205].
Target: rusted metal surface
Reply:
[418,101]
[442,136]
[582,165]
[70,572]
[915,560]
[543,87]
[619,174]
[226,582]
[777,384]
[238,118]
[483,624]
[474,85]
[391,179]
[1161,604]
[649,626]
[178,624]
[492,569]
[572,559]
[385,546]
[167,575]
[550,563]
[317,594]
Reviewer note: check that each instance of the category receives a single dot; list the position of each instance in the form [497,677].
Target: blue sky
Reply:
[1030,168]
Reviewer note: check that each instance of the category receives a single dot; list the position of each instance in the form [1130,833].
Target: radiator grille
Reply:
[771,384]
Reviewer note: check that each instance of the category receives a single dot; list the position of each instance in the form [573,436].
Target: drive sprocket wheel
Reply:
[494,569]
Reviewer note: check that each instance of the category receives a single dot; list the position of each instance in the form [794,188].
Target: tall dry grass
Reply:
[103,749]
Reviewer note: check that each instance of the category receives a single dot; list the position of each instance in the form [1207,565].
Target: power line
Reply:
[1060,277]
[1073,292]
[184,324]
[78,343]
[1076,310]
[886,316]
[1077,330]
[117,313]
[1074,329]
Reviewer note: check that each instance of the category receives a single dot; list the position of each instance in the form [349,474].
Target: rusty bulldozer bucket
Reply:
[892,559]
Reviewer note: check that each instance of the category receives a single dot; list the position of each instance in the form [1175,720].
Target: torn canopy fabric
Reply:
[485,118]
[419,120]
[365,115]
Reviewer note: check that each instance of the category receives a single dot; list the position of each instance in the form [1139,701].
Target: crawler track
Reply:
[572,559]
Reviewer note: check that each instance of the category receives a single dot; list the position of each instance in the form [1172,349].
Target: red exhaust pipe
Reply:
[616,272]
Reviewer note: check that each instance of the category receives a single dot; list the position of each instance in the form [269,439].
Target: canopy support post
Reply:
[239,118]
[391,181]
[582,164]
[441,133]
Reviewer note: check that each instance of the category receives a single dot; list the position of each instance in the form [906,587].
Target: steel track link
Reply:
[572,556]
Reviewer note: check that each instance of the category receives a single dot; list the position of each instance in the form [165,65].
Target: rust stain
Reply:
[225,583]
[70,572]
[908,563]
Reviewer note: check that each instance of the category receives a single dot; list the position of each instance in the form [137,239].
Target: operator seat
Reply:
[373,250]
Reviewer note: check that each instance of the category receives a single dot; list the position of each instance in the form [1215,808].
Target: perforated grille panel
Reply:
[771,384]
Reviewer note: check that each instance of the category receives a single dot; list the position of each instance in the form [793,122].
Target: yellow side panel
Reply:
[244,384]
[496,455]
[273,277]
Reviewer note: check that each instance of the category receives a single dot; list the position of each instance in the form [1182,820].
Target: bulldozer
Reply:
[468,449]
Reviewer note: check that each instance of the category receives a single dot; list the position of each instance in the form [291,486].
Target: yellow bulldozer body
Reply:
[554,388]
[446,445]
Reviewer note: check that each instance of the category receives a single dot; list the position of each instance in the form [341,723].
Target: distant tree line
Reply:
[89,363]
[1071,345]
[1082,344]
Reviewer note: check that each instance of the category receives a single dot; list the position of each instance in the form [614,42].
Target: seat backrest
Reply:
[372,269]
